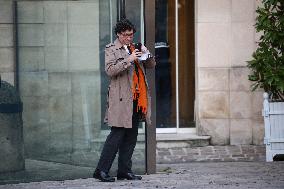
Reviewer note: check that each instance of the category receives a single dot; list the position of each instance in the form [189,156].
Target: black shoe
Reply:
[128,176]
[103,176]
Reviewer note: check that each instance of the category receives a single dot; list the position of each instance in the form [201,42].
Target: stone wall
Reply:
[225,38]
[211,154]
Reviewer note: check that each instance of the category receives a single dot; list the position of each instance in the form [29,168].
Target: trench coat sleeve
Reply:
[149,63]
[113,65]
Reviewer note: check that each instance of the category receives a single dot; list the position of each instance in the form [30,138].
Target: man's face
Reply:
[125,37]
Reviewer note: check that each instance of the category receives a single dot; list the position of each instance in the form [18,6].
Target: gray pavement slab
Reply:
[196,175]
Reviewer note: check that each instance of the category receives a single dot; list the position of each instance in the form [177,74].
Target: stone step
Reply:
[181,140]
[210,154]
[173,140]
[98,142]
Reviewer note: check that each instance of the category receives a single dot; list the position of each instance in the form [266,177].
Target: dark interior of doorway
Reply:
[165,49]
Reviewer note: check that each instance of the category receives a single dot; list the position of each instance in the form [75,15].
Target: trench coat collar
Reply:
[117,44]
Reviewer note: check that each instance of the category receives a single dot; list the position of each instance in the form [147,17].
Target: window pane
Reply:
[166,64]
[63,87]
[186,64]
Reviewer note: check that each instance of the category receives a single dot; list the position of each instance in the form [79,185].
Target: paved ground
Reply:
[196,175]
[184,167]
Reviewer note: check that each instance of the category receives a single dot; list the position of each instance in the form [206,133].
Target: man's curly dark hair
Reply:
[124,25]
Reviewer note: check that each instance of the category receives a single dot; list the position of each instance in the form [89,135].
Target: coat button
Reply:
[120,99]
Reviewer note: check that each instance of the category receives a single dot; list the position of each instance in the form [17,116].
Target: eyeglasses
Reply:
[127,34]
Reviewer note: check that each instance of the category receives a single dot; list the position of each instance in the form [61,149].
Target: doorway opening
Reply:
[175,70]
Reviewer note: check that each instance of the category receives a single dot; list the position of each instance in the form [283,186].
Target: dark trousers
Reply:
[123,141]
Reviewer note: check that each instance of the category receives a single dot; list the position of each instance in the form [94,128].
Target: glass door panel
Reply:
[63,87]
[166,64]
[186,67]
[134,12]
[169,73]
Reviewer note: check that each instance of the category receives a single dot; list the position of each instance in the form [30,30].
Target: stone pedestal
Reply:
[11,130]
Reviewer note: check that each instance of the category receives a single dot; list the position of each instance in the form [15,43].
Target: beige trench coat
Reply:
[120,102]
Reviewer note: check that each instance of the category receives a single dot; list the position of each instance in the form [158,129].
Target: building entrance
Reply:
[175,70]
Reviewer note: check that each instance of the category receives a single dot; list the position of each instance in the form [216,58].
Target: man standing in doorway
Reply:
[128,101]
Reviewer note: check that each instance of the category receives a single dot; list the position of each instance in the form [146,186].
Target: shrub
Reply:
[267,64]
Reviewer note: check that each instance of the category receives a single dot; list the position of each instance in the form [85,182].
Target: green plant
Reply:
[267,65]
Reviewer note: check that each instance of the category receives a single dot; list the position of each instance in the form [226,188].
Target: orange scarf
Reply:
[139,88]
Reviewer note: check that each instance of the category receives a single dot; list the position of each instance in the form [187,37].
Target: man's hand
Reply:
[134,55]
[144,50]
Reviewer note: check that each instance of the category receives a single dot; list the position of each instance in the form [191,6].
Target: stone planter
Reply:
[273,113]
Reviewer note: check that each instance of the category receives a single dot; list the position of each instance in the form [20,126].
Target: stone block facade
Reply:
[225,39]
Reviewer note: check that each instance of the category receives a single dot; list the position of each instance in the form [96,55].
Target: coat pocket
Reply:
[107,107]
